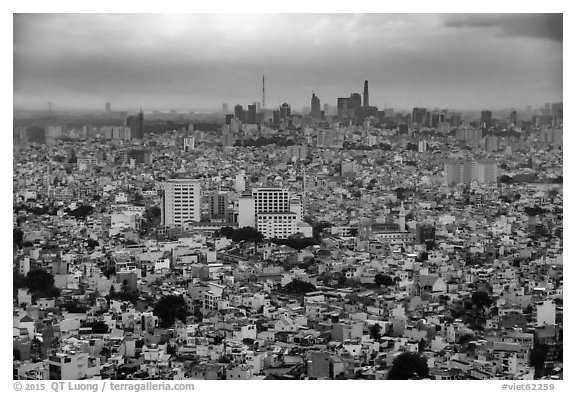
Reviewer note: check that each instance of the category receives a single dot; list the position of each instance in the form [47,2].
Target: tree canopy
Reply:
[240,234]
[481,299]
[41,284]
[170,308]
[409,365]
[385,280]
[299,286]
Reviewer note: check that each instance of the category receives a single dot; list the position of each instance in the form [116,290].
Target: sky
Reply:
[199,61]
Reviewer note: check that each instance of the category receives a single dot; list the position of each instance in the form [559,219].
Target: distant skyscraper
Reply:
[355,103]
[263,93]
[419,116]
[343,107]
[181,202]
[366,98]
[239,112]
[514,117]
[315,107]
[136,125]
[486,118]
[225,108]
[108,107]
[251,114]
[285,111]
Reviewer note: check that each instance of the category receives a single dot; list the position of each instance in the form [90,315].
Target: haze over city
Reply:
[187,62]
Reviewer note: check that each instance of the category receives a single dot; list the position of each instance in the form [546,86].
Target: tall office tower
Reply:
[419,116]
[239,112]
[218,205]
[181,202]
[486,118]
[225,108]
[229,119]
[343,107]
[547,109]
[514,117]
[366,99]
[315,107]
[108,107]
[557,109]
[136,125]
[251,114]
[263,93]
[285,111]
[436,119]
[354,104]
[455,119]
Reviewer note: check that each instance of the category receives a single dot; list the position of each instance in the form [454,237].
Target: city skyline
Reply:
[458,61]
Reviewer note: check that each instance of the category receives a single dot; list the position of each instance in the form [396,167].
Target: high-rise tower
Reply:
[263,93]
[366,99]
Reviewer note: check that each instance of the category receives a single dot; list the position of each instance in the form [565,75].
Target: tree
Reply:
[17,238]
[299,286]
[481,299]
[385,280]
[109,271]
[98,327]
[82,211]
[375,331]
[41,284]
[247,234]
[170,308]
[409,365]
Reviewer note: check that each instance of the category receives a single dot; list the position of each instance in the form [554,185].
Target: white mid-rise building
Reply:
[276,225]
[246,212]
[545,313]
[271,200]
[181,202]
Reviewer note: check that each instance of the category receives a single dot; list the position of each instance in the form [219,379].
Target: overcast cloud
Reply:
[461,61]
